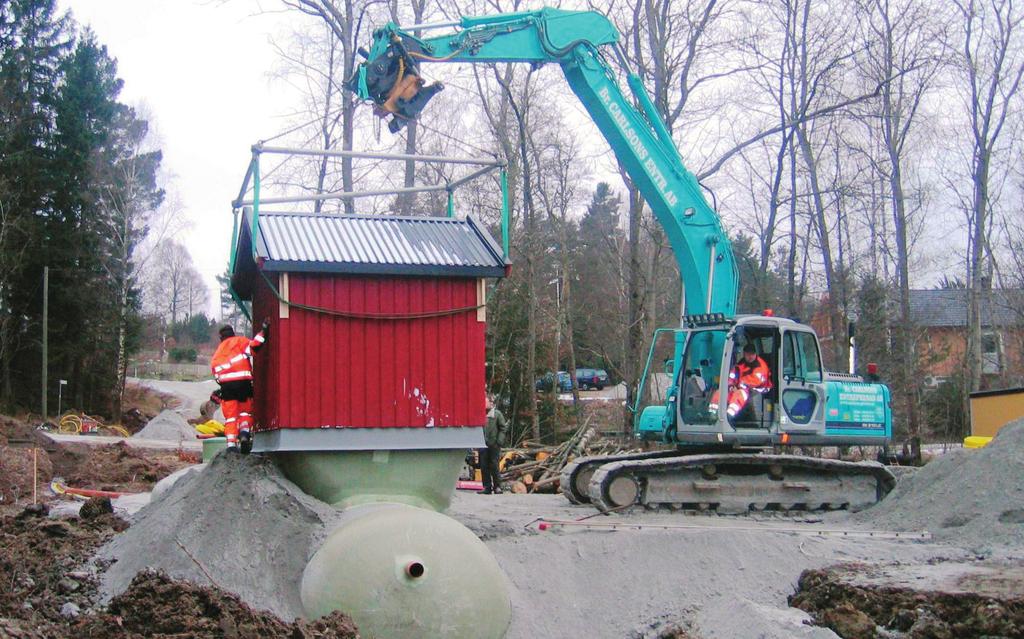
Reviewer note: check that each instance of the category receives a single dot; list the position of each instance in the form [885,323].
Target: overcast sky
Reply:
[199,70]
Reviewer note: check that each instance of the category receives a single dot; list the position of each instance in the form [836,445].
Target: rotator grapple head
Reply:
[391,79]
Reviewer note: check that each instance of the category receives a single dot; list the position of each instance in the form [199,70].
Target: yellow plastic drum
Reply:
[976,441]
[405,572]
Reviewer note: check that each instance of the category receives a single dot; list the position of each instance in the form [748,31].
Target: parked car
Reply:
[564,382]
[588,378]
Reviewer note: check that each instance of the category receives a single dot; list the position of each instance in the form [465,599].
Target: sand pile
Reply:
[167,426]
[238,524]
[973,498]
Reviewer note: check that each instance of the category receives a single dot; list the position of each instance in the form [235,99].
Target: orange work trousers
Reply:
[237,416]
[738,397]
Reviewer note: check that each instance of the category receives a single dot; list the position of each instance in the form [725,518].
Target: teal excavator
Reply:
[719,461]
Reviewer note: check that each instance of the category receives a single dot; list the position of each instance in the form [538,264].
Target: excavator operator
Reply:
[232,368]
[750,374]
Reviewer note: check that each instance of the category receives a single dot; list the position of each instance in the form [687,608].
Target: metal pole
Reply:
[342,195]
[504,212]
[711,280]
[255,199]
[472,176]
[432,25]
[373,155]
[451,203]
[245,185]
[234,242]
[46,328]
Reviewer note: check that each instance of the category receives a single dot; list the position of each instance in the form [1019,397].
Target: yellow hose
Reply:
[120,430]
[70,424]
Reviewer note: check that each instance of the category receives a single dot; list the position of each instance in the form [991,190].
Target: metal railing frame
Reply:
[252,175]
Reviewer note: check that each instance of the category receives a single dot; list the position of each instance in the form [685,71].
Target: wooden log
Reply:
[523,468]
[527,479]
[519,488]
[550,483]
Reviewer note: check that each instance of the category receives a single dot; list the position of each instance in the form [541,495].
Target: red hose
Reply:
[85,492]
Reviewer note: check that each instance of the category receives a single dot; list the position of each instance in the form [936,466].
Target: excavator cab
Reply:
[694,412]
[390,77]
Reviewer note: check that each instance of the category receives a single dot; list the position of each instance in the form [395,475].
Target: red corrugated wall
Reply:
[319,370]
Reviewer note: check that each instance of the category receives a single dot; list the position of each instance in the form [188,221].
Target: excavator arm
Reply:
[576,41]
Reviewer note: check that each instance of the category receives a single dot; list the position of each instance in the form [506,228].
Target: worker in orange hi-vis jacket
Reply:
[232,368]
[750,374]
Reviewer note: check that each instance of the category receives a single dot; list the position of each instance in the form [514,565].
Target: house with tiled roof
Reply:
[940,319]
[942,315]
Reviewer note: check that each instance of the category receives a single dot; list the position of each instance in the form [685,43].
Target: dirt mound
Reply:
[232,520]
[154,605]
[168,426]
[11,428]
[117,467]
[53,592]
[855,601]
[973,498]
[16,461]
[40,565]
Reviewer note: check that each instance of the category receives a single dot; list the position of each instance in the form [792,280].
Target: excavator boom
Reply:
[577,41]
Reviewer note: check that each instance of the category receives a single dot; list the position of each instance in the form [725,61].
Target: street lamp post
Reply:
[60,394]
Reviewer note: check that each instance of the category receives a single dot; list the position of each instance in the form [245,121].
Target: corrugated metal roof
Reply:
[376,244]
[949,307]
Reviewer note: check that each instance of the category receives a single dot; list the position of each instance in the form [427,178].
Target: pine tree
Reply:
[34,38]
[599,311]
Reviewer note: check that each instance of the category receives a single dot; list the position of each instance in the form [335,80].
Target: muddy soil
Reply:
[157,606]
[932,601]
[53,590]
[41,568]
[117,467]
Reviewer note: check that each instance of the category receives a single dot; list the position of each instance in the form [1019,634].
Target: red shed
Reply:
[377,329]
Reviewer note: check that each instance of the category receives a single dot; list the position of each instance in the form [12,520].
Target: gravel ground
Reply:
[729,576]
[725,577]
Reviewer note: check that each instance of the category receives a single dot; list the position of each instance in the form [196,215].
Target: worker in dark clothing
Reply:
[494,438]
[232,368]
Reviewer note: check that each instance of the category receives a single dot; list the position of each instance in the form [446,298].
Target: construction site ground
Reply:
[662,574]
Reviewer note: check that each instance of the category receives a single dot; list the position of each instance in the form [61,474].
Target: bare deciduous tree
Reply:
[990,60]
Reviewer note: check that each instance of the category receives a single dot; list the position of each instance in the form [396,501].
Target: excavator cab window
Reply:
[700,375]
[759,411]
[801,376]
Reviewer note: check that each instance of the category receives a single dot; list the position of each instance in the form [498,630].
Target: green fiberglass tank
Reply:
[405,572]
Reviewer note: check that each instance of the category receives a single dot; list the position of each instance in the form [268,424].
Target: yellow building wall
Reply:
[990,413]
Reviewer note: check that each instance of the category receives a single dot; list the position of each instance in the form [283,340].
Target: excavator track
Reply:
[739,483]
[575,479]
